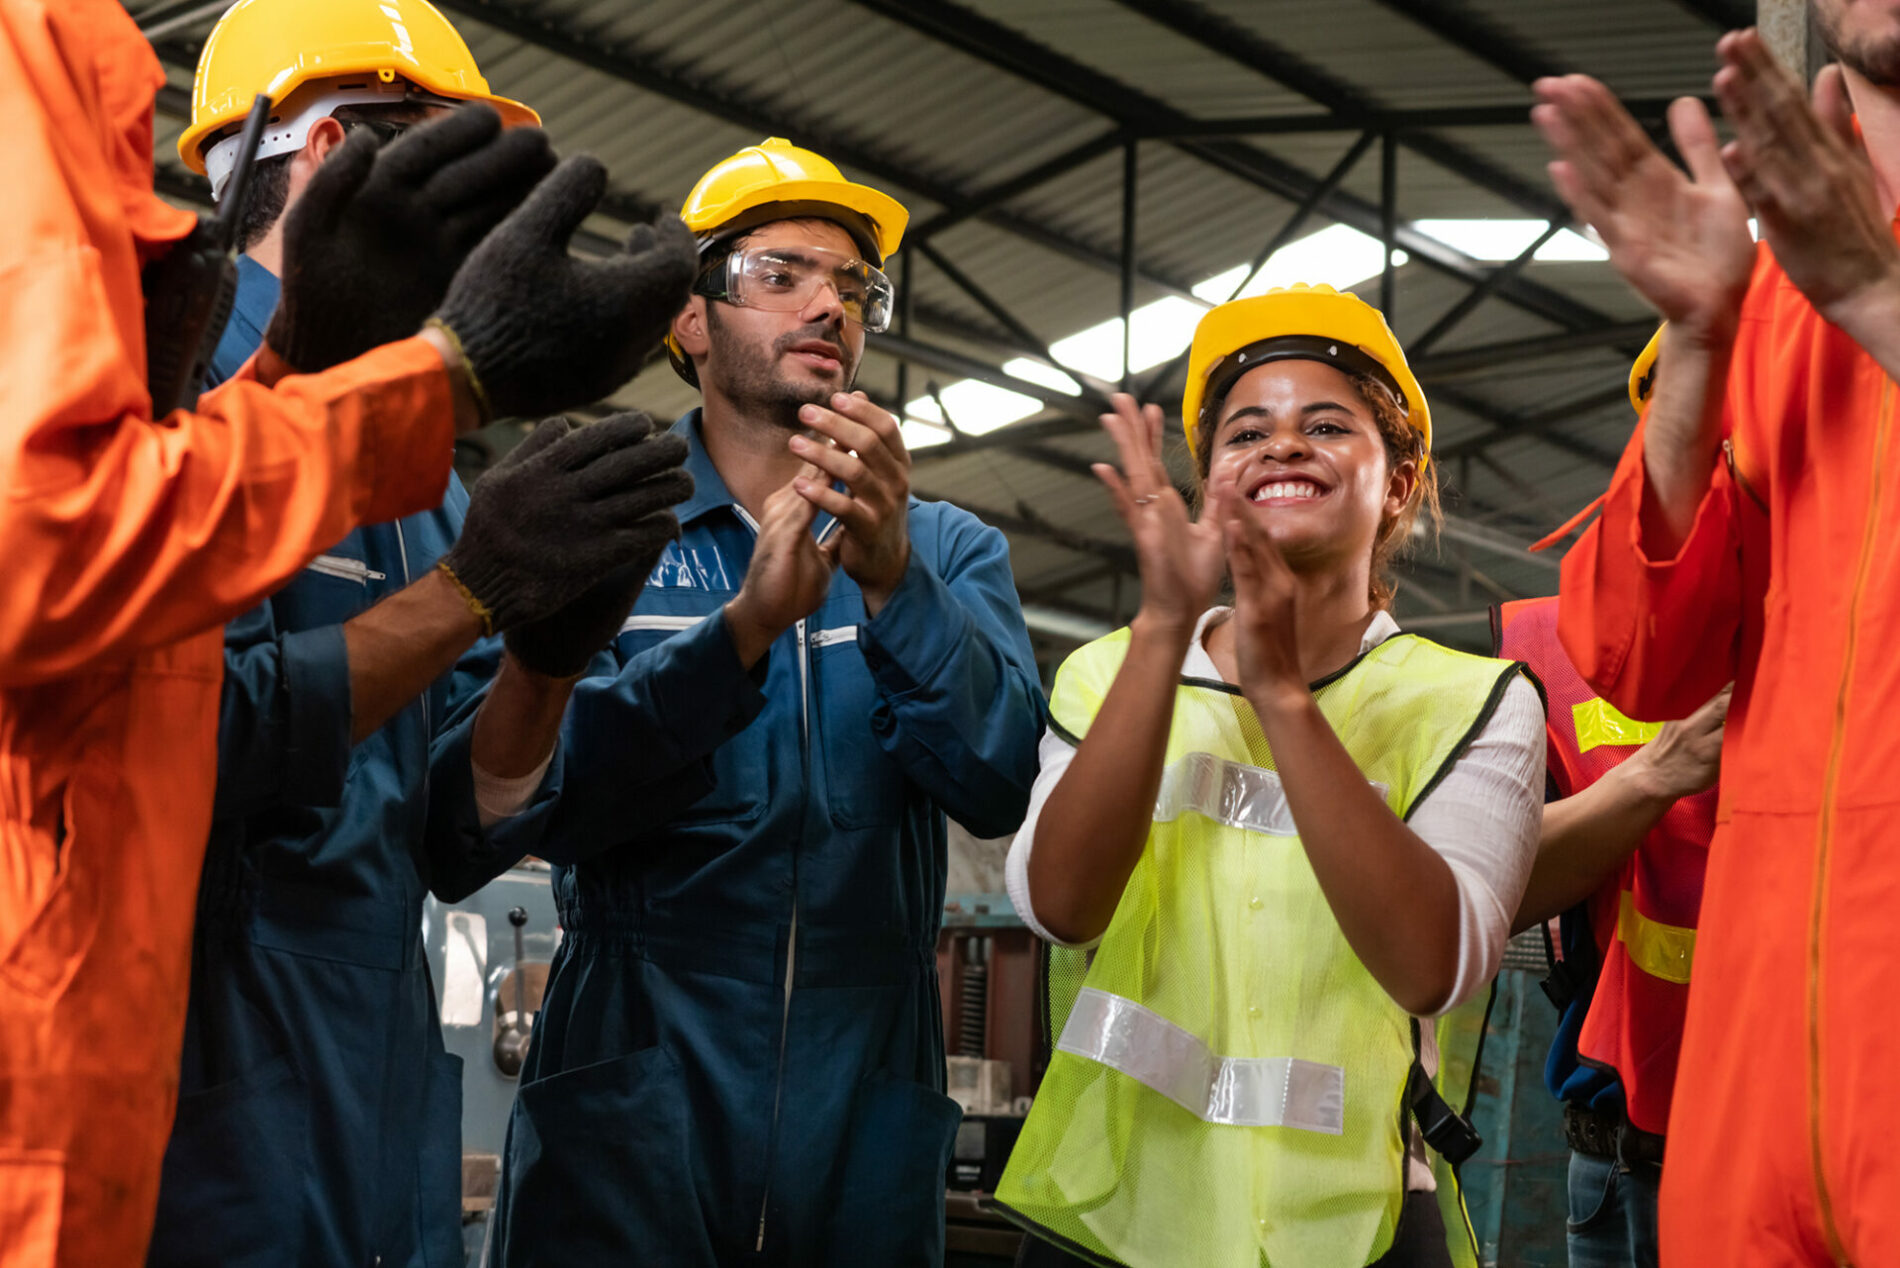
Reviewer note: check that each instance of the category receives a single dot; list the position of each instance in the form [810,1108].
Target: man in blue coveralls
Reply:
[360,764]
[740,1055]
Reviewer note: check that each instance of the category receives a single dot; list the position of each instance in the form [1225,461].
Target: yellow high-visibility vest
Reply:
[1227,1087]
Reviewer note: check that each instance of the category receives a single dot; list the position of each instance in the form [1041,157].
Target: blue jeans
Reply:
[1612,1220]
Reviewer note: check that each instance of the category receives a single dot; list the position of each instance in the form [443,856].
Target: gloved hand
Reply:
[541,330]
[370,248]
[566,508]
[561,645]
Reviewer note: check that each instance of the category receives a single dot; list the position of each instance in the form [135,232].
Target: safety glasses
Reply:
[784,279]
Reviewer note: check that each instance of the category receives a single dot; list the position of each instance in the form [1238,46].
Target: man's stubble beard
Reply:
[1875,59]
[751,382]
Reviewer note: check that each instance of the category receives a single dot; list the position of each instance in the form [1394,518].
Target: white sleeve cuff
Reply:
[1055,754]
[497,798]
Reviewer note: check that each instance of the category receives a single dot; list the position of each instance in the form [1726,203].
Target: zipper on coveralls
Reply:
[345,569]
[1836,1247]
[791,942]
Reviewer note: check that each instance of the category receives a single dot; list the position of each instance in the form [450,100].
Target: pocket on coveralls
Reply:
[862,783]
[233,1182]
[600,1168]
[48,946]
[32,1186]
[897,1155]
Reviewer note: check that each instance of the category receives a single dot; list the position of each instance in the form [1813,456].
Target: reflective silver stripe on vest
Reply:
[1232,793]
[1238,1091]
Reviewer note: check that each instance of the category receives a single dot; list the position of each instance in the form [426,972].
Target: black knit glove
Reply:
[567,507]
[370,248]
[561,645]
[541,330]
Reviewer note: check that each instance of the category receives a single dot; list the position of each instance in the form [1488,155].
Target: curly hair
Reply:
[1403,443]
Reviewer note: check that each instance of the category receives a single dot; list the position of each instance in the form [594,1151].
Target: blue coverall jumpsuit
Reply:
[319,1116]
[740,1056]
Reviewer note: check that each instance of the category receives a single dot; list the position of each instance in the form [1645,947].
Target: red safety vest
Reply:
[1644,916]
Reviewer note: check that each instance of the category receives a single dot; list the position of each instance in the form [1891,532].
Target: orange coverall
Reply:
[124,544]
[1780,1147]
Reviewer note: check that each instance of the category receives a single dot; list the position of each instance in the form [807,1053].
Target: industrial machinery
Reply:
[988,972]
[488,957]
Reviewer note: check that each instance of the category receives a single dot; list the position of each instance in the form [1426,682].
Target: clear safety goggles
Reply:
[785,278]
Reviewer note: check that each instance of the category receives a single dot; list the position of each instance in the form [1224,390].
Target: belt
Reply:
[1611,1136]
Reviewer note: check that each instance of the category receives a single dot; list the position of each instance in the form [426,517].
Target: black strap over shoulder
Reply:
[1444,1128]
[1569,977]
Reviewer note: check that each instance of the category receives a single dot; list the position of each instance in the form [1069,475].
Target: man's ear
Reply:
[325,135]
[689,328]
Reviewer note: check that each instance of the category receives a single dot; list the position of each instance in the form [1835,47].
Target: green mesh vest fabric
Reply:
[1227,1085]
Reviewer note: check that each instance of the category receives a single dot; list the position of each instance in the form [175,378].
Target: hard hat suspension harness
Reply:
[1342,356]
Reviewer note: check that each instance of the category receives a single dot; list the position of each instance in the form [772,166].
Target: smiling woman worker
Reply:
[1288,830]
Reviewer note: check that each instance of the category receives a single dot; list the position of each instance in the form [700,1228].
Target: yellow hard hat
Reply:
[311,56]
[776,180]
[1643,371]
[1309,323]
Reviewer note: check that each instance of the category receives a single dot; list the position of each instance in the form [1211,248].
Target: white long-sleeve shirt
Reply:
[1483,819]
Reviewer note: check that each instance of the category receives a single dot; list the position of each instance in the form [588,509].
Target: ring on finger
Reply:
[1143,501]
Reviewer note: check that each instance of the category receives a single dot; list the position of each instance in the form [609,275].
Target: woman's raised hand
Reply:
[1180,559]
[1266,629]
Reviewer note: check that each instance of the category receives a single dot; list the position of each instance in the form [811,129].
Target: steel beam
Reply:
[1062,623]
[1246,47]
[165,28]
[1482,537]
[1646,110]
[971,32]
[1388,223]
[1727,15]
[948,361]
[1463,362]
[1164,377]
[984,300]
[1016,186]
[1466,30]
[1483,291]
[1536,425]
[767,118]
[1120,554]
[1131,174]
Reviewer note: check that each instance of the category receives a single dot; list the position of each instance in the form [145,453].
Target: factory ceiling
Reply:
[1072,163]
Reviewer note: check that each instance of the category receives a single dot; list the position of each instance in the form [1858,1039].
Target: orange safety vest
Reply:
[1644,916]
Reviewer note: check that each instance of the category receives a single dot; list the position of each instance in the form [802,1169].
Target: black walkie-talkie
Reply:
[189,289]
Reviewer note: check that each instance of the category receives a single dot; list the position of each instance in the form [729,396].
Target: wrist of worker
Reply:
[1645,779]
[471,404]
[1171,630]
[752,635]
[877,591]
[1705,339]
[1278,699]
[1870,314]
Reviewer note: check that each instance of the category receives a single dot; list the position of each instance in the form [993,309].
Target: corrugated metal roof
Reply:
[681,83]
